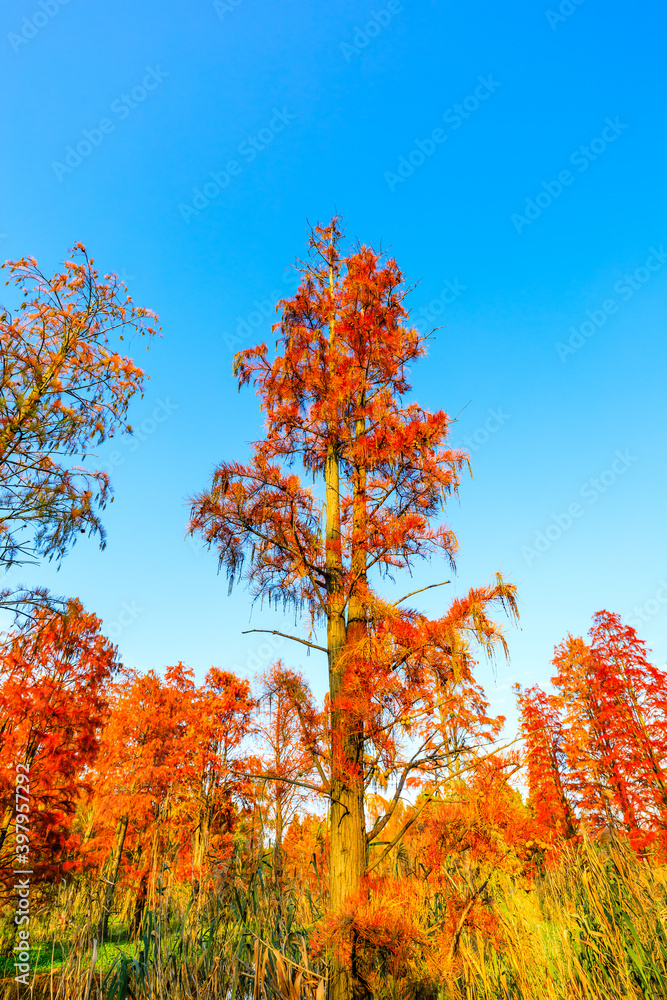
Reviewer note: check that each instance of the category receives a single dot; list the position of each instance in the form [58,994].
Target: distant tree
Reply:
[53,702]
[63,390]
[166,777]
[287,764]
[597,748]
[544,738]
[333,397]
[614,711]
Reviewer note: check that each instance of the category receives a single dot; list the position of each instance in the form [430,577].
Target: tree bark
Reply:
[111,884]
[347,821]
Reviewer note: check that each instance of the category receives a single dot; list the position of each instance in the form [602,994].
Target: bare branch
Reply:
[421,590]
[272,631]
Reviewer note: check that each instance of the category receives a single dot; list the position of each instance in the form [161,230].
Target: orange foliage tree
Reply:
[597,749]
[63,389]
[166,778]
[287,765]
[458,849]
[53,702]
[546,762]
[333,398]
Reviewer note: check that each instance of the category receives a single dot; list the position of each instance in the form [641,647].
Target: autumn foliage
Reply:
[333,395]
[597,747]
[64,388]
[384,841]
[53,701]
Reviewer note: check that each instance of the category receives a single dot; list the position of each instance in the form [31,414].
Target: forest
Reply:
[168,835]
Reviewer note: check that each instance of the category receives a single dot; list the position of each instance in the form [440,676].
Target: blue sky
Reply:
[512,158]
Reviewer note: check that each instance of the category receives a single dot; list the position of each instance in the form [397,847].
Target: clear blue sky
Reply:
[532,215]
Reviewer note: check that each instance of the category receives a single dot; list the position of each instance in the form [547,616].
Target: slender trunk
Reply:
[4,826]
[644,748]
[278,843]
[568,814]
[356,629]
[347,820]
[356,642]
[346,816]
[111,884]
[201,838]
[140,904]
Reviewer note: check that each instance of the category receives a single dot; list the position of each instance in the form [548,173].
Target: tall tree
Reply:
[53,702]
[63,390]
[546,764]
[616,733]
[286,762]
[169,769]
[333,397]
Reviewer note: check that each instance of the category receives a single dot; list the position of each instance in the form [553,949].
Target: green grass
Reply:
[50,954]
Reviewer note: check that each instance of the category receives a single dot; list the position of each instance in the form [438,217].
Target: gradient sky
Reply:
[532,216]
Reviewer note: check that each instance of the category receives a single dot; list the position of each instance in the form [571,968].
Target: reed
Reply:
[594,927]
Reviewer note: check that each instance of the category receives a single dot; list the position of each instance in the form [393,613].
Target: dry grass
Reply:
[594,928]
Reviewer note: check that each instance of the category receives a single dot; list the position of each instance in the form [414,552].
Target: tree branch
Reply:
[272,631]
[421,589]
[406,826]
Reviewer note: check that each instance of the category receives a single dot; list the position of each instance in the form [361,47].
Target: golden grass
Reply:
[593,928]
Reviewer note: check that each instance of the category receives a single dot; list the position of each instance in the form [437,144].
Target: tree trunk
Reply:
[140,905]
[201,837]
[278,869]
[347,861]
[111,884]
[346,816]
